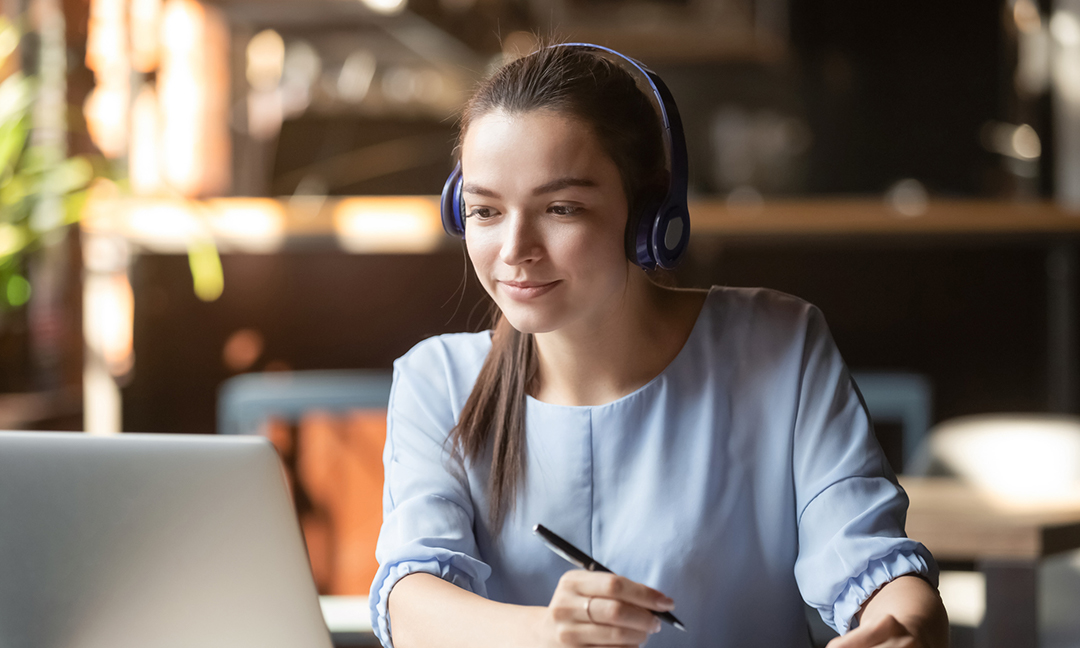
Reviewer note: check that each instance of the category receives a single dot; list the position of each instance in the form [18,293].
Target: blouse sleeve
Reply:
[427,509]
[851,510]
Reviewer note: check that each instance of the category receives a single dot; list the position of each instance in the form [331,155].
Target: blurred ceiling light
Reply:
[265,60]
[108,316]
[162,225]
[302,63]
[390,224]
[301,69]
[144,168]
[386,7]
[106,108]
[1021,459]
[1018,142]
[908,197]
[242,349]
[1065,27]
[356,74]
[1027,17]
[106,36]
[106,112]
[265,113]
[1025,143]
[193,88]
[248,224]
[145,34]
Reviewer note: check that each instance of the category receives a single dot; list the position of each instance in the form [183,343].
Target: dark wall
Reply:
[323,310]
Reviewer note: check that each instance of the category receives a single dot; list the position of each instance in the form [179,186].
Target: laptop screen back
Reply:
[150,541]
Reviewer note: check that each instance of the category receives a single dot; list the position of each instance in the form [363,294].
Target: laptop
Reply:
[150,541]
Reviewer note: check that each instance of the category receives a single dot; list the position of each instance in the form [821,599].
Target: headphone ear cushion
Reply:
[639,228]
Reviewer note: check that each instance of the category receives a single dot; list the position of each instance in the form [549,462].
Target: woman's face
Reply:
[545,219]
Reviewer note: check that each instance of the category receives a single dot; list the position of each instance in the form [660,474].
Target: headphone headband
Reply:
[658,235]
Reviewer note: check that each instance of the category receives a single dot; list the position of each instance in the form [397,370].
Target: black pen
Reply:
[581,559]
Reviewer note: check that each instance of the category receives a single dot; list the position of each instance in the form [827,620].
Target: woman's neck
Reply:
[597,362]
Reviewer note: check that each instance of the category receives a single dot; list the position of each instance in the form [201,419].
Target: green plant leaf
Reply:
[206,272]
[16,95]
[13,134]
[70,175]
[18,290]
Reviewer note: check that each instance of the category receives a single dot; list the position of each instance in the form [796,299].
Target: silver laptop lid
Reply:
[150,541]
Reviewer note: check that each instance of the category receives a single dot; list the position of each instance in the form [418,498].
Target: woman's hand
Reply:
[595,608]
[906,612]
[886,633]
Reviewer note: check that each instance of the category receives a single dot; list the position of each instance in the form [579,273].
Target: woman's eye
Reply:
[564,210]
[479,212]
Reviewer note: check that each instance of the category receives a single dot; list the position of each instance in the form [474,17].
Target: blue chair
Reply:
[247,401]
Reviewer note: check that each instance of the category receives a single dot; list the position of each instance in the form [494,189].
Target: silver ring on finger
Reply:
[588,602]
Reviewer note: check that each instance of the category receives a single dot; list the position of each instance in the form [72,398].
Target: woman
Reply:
[707,446]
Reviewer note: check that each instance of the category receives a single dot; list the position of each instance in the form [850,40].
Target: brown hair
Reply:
[601,93]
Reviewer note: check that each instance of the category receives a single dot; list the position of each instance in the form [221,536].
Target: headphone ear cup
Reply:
[670,237]
[451,206]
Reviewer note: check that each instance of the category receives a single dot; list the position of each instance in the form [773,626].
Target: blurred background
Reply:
[195,191]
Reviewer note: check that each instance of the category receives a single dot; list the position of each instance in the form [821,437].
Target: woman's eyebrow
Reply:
[554,185]
[478,190]
[563,183]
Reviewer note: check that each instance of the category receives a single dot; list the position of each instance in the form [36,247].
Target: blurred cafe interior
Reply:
[222,217]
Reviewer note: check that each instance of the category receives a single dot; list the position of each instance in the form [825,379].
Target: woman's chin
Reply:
[532,323]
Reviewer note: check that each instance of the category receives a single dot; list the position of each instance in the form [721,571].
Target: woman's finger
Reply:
[620,613]
[591,634]
[610,586]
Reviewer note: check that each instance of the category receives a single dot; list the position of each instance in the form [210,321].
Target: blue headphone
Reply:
[659,233]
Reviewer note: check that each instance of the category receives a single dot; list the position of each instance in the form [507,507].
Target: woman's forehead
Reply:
[500,141]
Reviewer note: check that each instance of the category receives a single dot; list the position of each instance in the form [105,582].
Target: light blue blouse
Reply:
[741,481]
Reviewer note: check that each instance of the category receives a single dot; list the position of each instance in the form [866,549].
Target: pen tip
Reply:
[679,626]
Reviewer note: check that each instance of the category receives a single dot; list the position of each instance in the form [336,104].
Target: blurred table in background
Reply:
[1003,539]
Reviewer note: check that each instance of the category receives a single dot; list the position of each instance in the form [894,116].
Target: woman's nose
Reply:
[521,242]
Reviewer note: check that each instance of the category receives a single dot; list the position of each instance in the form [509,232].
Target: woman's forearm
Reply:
[428,612]
[915,604]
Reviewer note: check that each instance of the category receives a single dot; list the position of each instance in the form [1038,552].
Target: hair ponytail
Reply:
[496,409]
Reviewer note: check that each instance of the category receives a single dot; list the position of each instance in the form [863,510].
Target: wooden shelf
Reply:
[866,216]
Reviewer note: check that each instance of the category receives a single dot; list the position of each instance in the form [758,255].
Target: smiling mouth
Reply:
[523,290]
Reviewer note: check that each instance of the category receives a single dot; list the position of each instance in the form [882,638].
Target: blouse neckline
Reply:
[691,340]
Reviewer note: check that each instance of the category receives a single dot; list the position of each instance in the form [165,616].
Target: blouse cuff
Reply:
[462,570]
[874,577]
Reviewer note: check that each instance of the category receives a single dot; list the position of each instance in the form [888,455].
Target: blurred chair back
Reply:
[899,397]
[329,428]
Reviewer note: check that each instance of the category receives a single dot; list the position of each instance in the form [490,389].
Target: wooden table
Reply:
[1004,540]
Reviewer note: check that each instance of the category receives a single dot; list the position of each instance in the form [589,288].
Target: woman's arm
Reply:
[904,612]
[425,610]
[588,608]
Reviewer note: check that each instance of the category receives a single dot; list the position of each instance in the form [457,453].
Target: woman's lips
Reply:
[525,290]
